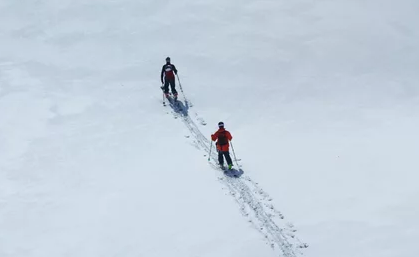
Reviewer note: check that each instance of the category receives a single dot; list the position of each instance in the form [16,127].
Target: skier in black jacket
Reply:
[168,74]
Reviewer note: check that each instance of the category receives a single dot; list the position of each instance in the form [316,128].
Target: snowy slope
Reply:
[320,96]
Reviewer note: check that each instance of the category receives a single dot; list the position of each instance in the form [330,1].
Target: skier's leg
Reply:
[173,87]
[228,158]
[220,158]
[166,86]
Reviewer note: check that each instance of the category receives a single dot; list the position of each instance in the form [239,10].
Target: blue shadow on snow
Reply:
[178,106]
[234,173]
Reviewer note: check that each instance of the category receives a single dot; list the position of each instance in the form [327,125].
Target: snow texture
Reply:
[321,98]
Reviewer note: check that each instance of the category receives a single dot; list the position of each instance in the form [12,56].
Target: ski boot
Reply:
[230,166]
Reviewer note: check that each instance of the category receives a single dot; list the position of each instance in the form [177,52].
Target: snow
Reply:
[321,98]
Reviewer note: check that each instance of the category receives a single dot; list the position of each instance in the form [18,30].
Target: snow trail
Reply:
[253,202]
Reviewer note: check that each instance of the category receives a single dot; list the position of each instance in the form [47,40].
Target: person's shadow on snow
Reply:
[179,107]
[234,173]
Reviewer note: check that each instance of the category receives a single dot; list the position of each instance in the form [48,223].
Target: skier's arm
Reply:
[174,69]
[229,136]
[162,73]
[214,136]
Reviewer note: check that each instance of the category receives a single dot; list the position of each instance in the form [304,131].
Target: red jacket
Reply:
[223,138]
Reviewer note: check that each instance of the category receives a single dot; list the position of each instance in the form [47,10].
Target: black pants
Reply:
[226,155]
[170,82]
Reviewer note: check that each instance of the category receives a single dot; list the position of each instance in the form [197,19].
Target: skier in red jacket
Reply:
[168,73]
[223,138]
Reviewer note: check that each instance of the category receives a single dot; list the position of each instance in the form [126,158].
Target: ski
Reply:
[233,173]
[174,104]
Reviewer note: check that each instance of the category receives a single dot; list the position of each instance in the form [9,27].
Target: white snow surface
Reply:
[321,97]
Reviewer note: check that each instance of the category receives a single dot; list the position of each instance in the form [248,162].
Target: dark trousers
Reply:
[170,82]
[226,155]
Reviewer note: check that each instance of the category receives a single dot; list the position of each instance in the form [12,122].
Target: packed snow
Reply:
[321,98]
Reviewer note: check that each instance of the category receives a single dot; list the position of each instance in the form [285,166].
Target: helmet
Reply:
[167,59]
[221,124]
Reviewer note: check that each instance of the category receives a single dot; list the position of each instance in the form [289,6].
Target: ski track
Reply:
[254,203]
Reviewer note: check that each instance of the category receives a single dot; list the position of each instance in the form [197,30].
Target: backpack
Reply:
[222,138]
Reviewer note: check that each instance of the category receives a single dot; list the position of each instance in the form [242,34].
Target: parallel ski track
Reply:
[254,203]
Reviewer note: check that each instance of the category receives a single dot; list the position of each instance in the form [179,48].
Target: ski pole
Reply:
[181,90]
[234,154]
[209,156]
[180,85]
